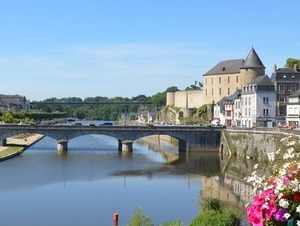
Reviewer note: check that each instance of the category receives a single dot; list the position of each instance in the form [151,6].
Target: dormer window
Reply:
[284,76]
[223,68]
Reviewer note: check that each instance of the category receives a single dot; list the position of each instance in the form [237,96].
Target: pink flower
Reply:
[255,216]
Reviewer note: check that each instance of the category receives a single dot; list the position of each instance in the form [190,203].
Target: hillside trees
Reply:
[99,111]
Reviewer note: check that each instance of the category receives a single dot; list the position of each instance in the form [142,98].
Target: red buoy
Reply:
[116,217]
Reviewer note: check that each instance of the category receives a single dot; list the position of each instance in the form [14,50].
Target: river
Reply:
[92,181]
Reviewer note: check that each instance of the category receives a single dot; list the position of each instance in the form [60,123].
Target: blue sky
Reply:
[88,48]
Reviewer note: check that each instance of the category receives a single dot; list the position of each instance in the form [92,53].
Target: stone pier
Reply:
[126,146]
[62,145]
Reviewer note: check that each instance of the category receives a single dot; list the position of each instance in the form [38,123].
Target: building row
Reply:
[243,95]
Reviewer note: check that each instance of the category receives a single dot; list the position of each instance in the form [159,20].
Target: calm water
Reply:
[91,182]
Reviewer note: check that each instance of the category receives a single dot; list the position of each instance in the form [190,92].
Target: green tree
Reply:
[195,86]
[290,62]
[172,89]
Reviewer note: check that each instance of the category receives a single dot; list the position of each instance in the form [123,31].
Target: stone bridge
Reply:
[189,137]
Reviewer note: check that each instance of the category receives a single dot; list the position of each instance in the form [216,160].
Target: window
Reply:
[212,91]
[249,100]
[237,79]
[206,92]
[246,100]
[220,80]
[228,122]
[281,87]
[265,112]
[228,92]
[266,100]
[212,80]
[293,87]
[205,81]
[228,79]
[220,91]
[281,99]
[249,111]
[228,113]
[282,111]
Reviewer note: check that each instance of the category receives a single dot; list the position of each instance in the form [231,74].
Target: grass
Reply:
[10,150]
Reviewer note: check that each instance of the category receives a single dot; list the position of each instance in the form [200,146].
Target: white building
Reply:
[258,103]
[219,118]
[237,113]
[224,110]
[292,110]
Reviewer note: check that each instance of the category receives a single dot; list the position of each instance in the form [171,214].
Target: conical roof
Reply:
[252,60]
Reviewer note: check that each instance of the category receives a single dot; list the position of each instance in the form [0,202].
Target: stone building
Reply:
[222,80]
[13,102]
[228,76]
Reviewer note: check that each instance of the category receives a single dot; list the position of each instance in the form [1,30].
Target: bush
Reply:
[139,219]
[215,214]
[225,217]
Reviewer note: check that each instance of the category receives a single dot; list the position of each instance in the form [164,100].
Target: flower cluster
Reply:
[277,197]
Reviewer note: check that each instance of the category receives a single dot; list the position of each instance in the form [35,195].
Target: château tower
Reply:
[251,69]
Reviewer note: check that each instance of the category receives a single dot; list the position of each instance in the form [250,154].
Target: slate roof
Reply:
[252,60]
[286,74]
[234,66]
[226,67]
[263,83]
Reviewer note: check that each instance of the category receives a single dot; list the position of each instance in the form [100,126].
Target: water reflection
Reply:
[94,180]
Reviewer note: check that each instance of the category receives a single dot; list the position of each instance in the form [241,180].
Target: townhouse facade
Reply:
[286,82]
[293,110]
[253,105]
[258,101]
[224,110]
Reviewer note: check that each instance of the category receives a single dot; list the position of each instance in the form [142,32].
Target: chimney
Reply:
[275,68]
[296,67]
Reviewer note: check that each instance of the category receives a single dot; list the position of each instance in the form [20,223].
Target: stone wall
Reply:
[250,144]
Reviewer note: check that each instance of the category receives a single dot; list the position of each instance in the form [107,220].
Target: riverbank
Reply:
[17,144]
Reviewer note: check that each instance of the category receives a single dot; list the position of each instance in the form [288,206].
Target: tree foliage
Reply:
[139,219]
[196,86]
[290,62]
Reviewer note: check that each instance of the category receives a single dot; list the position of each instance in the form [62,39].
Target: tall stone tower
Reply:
[251,68]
